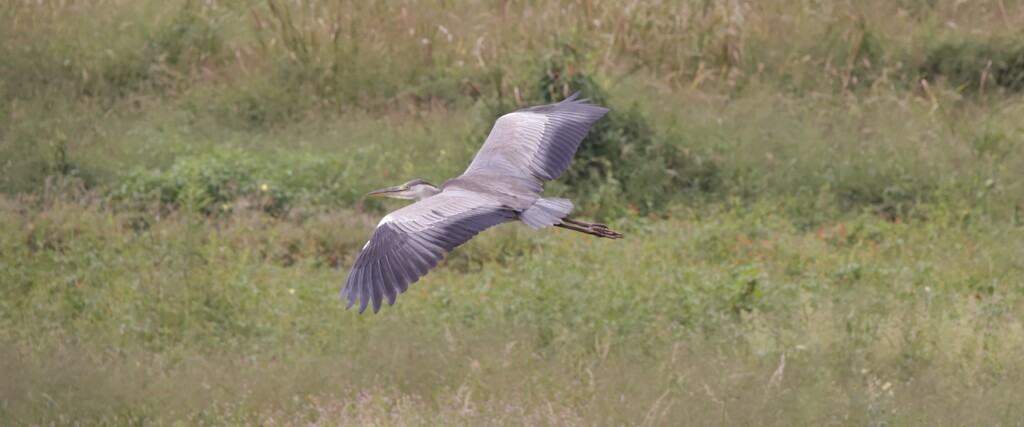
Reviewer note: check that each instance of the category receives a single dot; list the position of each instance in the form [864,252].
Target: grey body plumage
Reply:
[503,183]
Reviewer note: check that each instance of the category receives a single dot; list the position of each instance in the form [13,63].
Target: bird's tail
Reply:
[546,212]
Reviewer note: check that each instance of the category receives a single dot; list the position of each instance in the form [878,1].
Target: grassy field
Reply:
[823,203]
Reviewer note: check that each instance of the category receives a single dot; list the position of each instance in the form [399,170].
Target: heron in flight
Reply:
[502,184]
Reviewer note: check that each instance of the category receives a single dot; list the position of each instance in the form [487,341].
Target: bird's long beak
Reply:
[385,192]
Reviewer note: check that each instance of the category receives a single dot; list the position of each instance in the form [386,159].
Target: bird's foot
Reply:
[593,229]
[602,230]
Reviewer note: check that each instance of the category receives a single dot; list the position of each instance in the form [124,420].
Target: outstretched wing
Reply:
[537,142]
[412,240]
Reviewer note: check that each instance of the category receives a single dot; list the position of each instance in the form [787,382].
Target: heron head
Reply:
[416,189]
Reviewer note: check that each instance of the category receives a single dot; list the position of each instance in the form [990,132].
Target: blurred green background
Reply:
[822,200]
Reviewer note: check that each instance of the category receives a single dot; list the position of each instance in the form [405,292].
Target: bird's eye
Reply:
[406,188]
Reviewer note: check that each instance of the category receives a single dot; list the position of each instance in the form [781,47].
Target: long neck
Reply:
[423,191]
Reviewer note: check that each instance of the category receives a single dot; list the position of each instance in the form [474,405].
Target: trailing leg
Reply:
[593,229]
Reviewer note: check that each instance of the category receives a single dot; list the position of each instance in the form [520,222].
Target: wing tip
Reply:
[584,105]
[574,99]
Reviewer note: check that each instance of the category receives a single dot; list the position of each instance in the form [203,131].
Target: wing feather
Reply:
[364,291]
[413,240]
[390,280]
[537,142]
[401,277]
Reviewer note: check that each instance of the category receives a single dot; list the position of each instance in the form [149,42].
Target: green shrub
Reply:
[999,61]
[223,179]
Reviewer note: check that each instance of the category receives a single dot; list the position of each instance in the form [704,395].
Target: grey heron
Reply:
[503,183]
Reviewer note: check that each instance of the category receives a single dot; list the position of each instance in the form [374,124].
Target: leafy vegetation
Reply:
[974,64]
[823,207]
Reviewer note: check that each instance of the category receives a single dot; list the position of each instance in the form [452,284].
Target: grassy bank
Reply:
[823,203]
[738,316]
